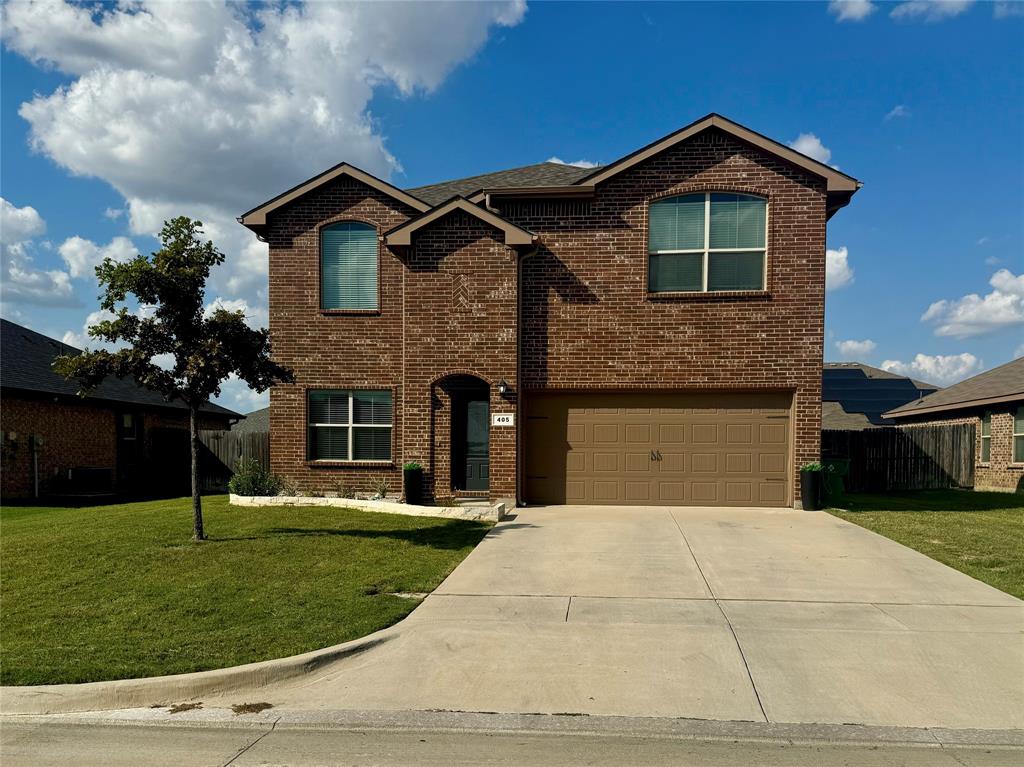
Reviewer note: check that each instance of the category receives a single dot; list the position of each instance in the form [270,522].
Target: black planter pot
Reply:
[412,480]
[812,486]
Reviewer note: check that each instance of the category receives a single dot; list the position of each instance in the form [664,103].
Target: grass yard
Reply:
[981,534]
[120,591]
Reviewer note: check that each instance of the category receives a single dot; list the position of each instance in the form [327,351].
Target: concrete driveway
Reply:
[736,614]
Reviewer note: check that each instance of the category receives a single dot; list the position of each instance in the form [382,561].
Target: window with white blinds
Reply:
[349,425]
[707,242]
[348,266]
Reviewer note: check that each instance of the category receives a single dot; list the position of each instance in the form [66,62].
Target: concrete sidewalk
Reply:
[729,614]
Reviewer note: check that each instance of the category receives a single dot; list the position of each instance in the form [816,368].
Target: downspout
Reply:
[35,465]
[521,427]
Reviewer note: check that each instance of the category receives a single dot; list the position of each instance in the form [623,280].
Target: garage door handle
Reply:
[655,455]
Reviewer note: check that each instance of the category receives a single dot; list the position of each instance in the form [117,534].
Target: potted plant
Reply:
[812,486]
[412,482]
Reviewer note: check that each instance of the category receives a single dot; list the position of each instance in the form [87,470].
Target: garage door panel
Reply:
[658,448]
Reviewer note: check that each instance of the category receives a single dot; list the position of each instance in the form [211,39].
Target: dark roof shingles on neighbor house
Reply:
[25,364]
[1002,384]
[528,176]
[256,421]
[854,396]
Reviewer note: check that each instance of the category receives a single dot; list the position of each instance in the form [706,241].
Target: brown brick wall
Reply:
[586,319]
[1000,472]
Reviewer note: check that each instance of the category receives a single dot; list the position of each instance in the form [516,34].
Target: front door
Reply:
[476,446]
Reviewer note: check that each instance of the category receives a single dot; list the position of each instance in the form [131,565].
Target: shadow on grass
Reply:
[930,500]
[455,534]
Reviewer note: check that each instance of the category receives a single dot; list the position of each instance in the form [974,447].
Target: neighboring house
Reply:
[121,438]
[994,402]
[256,422]
[647,332]
[854,395]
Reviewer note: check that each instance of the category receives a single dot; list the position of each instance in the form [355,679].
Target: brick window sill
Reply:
[713,295]
[350,464]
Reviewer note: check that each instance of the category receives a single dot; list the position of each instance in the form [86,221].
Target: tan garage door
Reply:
[658,449]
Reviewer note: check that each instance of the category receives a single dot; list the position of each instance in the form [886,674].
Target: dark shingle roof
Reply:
[256,421]
[541,174]
[25,363]
[854,395]
[1002,384]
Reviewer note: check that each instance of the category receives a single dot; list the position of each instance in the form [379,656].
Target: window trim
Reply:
[320,268]
[349,391]
[707,250]
[1016,460]
[982,460]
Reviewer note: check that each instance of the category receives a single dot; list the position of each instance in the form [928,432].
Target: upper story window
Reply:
[986,437]
[349,425]
[348,266]
[1018,435]
[707,242]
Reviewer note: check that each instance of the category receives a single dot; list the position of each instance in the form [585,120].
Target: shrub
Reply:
[251,478]
[411,465]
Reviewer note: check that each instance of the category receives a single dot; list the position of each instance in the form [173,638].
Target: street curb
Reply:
[147,691]
[547,724]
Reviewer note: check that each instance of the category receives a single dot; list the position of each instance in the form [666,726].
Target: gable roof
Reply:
[855,396]
[255,422]
[543,174]
[401,235]
[256,219]
[1002,384]
[25,364]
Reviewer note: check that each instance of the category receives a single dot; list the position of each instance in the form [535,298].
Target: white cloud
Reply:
[81,339]
[930,10]
[838,272]
[254,316]
[855,350]
[113,213]
[851,10]
[939,369]
[20,280]
[1004,10]
[237,396]
[900,110]
[810,145]
[83,256]
[577,163]
[974,315]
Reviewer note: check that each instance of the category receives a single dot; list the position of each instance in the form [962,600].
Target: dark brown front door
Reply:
[706,449]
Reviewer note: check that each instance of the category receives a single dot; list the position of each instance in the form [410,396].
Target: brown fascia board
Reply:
[966,405]
[836,182]
[516,192]
[256,219]
[401,235]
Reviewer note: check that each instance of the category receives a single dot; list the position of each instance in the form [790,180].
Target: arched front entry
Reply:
[462,435]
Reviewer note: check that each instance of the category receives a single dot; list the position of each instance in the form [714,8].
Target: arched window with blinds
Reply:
[348,266]
[712,241]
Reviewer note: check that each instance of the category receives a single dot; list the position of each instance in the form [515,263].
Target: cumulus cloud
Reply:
[810,145]
[83,256]
[974,315]
[81,339]
[20,280]
[851,10]
[577,163]
[236,395]
[172,102]
[938,369]
[1004,10]
[900,110]
[838,272]
[855,350]
[930,10]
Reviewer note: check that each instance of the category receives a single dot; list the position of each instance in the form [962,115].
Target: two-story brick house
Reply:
[647,332]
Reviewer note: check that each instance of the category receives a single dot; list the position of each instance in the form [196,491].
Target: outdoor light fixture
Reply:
[502,387]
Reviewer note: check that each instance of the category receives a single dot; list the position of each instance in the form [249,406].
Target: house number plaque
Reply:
[503,419]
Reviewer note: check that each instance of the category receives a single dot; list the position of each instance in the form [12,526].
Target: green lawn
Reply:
[981,534]
[113,592]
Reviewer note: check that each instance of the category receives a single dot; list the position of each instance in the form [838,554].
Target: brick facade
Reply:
[1000,473]
[573,314]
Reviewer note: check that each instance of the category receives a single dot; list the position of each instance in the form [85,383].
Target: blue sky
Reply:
[106,132]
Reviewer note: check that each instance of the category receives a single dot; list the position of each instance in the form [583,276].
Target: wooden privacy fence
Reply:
[224,449]
[904,457]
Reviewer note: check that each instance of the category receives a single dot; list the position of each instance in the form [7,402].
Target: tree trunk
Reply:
[197,505]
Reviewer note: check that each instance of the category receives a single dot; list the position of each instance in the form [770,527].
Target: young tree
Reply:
[205,346]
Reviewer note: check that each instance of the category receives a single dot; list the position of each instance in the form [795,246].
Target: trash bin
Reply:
[812,488]
[835,470]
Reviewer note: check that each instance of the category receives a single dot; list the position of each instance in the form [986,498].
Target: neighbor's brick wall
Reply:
[1000,472]
[74,434]
[589,323]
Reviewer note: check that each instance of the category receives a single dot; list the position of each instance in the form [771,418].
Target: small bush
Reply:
[250,478]
[411,465]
